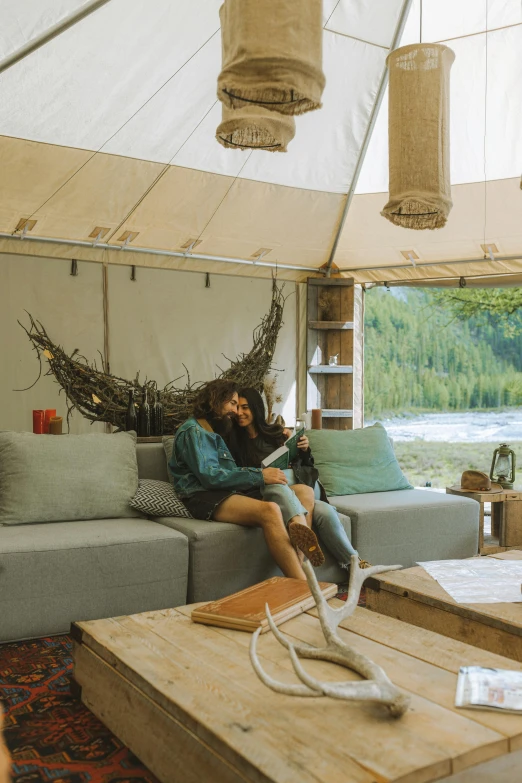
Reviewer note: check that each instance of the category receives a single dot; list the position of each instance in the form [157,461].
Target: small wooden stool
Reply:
[506,518]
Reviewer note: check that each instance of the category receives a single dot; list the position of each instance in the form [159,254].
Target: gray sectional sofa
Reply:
[403,526]
[52,573]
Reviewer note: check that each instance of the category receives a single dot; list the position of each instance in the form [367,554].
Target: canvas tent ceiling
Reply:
[112,123]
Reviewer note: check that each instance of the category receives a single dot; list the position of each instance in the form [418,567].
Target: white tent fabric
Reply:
[486,154]
[111,125]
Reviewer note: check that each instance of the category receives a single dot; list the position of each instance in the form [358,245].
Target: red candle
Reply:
[38,422]
[49,414]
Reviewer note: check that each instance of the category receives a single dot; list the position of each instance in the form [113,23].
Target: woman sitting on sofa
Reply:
[253,440]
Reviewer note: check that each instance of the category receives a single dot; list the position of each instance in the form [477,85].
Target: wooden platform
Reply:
[415,597]
[185,699]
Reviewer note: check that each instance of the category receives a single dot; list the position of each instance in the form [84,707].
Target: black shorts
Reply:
[203,504]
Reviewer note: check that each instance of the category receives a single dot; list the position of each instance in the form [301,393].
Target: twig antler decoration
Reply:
[101,396]
[376,687]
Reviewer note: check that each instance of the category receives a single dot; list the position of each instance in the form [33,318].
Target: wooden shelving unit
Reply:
[330,317]
[329,369]
[343,325]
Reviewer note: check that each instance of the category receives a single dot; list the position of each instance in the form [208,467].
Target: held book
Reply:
[284,455]
[489,689]
[245,610]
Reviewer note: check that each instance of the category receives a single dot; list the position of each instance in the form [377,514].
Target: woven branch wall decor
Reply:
[254,127]
[100,396]
[418,126]
[272,54]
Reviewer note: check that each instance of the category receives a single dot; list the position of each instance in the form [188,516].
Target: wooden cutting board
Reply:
[245,610]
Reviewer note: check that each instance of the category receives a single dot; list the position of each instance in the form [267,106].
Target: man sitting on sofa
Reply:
[212,486]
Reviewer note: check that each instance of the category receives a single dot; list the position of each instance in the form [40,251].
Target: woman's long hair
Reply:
[241,445]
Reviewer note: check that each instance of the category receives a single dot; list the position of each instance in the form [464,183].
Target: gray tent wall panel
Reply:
[70,308]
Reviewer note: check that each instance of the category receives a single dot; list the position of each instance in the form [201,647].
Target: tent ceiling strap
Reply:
[369,130]
[50,33]
[431,263]
[168,253]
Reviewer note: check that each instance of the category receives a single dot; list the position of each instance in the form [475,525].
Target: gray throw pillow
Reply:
[57,478]
[158,499]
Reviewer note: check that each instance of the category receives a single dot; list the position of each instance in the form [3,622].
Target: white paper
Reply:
[497,689]
[480,580]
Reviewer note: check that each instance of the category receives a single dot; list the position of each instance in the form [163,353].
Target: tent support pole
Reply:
[155,252]
[367,136]
[50,33]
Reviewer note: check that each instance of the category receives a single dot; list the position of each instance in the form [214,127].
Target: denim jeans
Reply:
[330,530]
[287,500]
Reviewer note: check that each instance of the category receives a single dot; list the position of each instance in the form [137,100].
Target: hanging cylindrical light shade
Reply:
[255,128]
[272,54]
[418,126]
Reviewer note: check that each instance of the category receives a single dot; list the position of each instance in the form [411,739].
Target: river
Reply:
[468,427]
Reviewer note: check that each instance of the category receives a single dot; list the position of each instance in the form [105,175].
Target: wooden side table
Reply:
[506,518]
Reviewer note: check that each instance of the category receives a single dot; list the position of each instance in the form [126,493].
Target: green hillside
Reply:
[417,358]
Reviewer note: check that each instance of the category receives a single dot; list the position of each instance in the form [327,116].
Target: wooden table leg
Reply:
[496,519]
[511,523]
[481,528]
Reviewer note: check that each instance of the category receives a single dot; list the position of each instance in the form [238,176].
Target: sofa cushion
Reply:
[168,441]
[151,461]
[158,499]
[49,478]
[410,526]
[225,558]
[353,461]
[55,573]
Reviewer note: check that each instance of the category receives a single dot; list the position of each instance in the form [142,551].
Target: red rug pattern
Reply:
[50,734]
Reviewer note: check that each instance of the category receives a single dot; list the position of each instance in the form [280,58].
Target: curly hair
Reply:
[211,398]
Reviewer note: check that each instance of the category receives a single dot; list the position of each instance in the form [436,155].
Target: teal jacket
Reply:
[201,460]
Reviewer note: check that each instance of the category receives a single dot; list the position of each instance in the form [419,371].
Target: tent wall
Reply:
[155,325]
[71,310]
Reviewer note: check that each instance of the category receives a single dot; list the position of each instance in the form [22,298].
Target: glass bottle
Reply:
[157,415]
[144,416]
[131,419]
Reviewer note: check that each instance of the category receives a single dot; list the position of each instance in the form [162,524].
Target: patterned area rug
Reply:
[50,734]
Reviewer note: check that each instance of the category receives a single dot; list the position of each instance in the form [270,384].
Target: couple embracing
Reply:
[216,470]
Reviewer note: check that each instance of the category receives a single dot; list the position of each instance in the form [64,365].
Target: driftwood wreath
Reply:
[101,396]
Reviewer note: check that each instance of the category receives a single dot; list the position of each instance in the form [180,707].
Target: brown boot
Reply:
[305,539]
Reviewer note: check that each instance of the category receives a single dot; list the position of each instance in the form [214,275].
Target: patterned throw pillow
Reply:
[158,499]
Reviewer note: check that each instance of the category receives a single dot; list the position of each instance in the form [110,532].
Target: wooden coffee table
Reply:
[414,596]
[184,698]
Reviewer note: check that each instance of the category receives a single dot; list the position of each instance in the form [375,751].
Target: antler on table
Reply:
[376,687]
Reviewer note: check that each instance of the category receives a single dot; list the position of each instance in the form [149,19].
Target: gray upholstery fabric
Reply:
[54,573]
[225,558]
[49,478]
[151,461]
[411,525]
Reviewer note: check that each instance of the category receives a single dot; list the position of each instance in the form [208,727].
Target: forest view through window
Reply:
[443,373]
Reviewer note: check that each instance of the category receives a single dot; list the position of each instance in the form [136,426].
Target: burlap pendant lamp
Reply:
[272,55]
[420,187]
[255,128]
